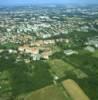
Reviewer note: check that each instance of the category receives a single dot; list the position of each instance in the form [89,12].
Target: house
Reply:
[37,43]
[35,57]
[27,61]
[93,42]
[67,40]
[27,49]
[46,54]
[1,50]
[90,49]
[12,51]
[70,52]
[35,50]
[46,42]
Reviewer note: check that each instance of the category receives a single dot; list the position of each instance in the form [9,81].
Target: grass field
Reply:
[59,67]
[48,93]
[95,54]
[62,69]
[87,64]
[75,92]
[21,78]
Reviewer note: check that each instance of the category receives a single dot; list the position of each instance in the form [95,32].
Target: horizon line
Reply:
[35,4]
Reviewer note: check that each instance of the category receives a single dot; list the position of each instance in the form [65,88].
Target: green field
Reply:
[87,64]
[95,54]
[51,92]
[62,69]
[18,78]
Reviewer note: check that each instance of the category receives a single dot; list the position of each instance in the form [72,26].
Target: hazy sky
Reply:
[19,2]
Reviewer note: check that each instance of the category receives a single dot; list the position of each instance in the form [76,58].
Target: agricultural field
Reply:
[61,69]
[19,78]
[51,92]
[71,86]
[84,70]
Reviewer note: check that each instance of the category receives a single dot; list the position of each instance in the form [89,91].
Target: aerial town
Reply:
[48,49]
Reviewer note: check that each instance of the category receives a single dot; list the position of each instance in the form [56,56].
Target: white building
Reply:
[70,52]
[36,57]
[90,49]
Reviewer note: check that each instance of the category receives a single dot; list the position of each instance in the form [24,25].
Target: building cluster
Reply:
[92,42]
[35,53]
[37,31]
[45,22]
